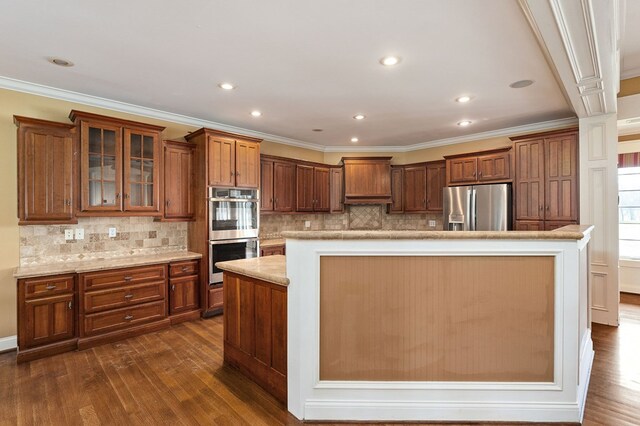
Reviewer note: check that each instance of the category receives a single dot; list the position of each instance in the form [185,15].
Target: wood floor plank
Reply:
[177,377]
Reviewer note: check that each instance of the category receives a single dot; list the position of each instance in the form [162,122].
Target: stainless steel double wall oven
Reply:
[233,227]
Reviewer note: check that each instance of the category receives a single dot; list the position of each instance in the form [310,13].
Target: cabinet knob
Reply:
[51,287]
[173,287]
[231,173]
[128,296]
[128,317]
[70,305]
[117,195]
[126,196]
[67,202]
[547,208]
[168,202]
[128,278]
[480,173]
[237,174]
[185,268]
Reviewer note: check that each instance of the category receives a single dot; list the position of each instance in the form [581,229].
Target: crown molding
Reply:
[109,104]
[506,132]
[95,101]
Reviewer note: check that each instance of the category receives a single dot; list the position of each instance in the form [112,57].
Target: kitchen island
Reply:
[442,326]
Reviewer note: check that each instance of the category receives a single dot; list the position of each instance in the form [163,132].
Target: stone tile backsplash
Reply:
[355,217]
[42,244]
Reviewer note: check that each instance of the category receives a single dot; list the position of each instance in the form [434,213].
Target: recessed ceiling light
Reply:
[464,123]
[61,62]
[463,99]
[520,84]
[226,86]
[359,117]
[354,139]
[256,113]
[316,130]
[389,61]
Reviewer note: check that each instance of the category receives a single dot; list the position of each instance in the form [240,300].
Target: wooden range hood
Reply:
[367,180]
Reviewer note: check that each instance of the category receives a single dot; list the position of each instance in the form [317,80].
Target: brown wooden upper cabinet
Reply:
[397,190]
[312,188]
[277,185]
[415,188]
[436,177]
[367,180]
[120,165]
[479,167]
[546,179]
[233,161]
[47,170]
[336,184]
[178,180]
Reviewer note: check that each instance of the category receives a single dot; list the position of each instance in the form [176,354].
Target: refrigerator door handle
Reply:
[471,214]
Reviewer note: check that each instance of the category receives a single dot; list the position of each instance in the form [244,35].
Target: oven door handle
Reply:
[242,240]
[234,200]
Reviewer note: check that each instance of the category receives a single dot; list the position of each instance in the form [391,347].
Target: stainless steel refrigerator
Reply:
[477,208]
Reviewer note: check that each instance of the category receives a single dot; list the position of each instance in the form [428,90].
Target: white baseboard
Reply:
[441,411]
[8,343]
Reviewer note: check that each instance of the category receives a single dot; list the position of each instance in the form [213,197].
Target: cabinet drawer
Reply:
[123,296]
[48,286]
[117,319]
[114,278]
[179,269]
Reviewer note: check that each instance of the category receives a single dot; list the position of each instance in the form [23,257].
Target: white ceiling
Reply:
[304,63]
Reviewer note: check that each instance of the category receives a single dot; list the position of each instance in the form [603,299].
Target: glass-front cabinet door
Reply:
[101,167]
[141,170]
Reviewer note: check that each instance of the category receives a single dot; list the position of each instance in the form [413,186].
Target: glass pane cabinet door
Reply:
[101,171]
[141,154]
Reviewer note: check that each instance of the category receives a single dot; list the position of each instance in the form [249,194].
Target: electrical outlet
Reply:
[432,223]
[307,224]
[112,232]
[68,234]
[80,234]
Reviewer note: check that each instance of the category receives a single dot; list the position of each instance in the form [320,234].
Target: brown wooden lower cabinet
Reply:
[529,225]
[75,311]
[272,250]
[216,298]
[541,225]
[255,331]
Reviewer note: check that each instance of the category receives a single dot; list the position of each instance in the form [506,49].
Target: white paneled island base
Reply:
[438,326]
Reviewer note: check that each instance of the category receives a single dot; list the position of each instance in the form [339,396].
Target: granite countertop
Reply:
[570,232]
[99,264]
[268,268]
[272,242]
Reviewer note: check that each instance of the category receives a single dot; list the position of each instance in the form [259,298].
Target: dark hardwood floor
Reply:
[176,377]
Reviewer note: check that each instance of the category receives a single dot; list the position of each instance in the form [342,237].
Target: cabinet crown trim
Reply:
[213,132]
[20,121]
[569,131]
[479,153]
[76,116]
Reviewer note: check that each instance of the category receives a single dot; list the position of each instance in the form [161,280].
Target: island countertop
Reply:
[268,268]
[570,232]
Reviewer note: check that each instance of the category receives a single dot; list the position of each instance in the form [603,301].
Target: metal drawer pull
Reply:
[128,317]
[128,296]
[70,305]
[51,287]
[185,268]
[128,278]
[173,287]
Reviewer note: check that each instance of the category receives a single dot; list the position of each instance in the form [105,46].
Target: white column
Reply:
[599,207]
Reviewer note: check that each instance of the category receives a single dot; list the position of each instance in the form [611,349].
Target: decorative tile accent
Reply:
[365,217]
[44,244]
